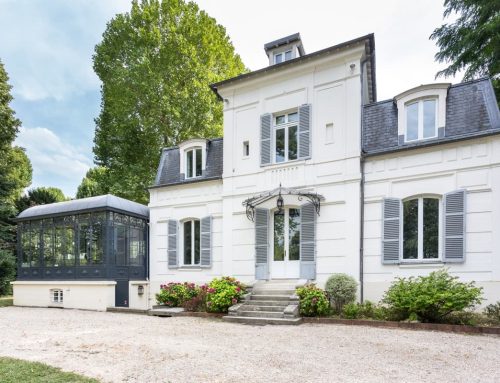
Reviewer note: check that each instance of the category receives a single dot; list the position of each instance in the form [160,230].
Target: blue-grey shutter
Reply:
[454,226]
[391,234]
[265,139]
[172,244]
[308,241]
[261,243]
[206,242]
[305,131]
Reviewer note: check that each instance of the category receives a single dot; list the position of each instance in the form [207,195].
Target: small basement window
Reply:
[56,296]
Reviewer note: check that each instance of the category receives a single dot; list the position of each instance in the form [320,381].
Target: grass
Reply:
[6,301]
[15,370]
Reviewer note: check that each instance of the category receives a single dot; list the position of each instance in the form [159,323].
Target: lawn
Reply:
[6,301]
[15,370]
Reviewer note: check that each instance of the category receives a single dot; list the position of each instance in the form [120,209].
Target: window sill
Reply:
[420,263]
[189,268]
[277,165]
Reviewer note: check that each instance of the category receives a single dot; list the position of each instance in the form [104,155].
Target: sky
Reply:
[47,47]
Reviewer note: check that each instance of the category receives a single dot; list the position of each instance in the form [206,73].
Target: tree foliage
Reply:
[155,63]
[94,183]
[40,196]
[472,42]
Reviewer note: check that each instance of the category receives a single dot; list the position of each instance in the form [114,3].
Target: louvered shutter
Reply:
[265,139]
[391,230]
[206,242]
[305,131]
[261,244]
[308,241]
[172,244]
[454,226]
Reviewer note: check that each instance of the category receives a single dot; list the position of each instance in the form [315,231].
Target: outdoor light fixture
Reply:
[140,290]
[279,201]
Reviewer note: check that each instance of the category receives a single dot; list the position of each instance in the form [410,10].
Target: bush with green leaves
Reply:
[222,293]
[313,300]
[341,289]
[367,310]
[351,310]
[430,298]
[198,302]
[492,312]
[174,294]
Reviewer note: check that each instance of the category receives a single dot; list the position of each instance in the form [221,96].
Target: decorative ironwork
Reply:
[252,202]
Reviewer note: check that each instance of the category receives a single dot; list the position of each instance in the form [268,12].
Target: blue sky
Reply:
[47,46]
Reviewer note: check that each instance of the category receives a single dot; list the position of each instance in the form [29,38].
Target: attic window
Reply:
[283,56]
[421,119]
[194,161]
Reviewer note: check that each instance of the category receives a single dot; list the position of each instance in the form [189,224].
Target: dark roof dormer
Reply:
[284,49]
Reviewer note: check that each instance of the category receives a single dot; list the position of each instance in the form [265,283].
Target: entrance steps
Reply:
[270,302]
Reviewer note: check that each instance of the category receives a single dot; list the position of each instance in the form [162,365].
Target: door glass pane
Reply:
[196,242]
[121,244]
[410,229]
[294,234]
[198,162]
[429,118]
[187,242]
[280,145]
[431,228]
[292,143]
[412,122]
[279,236]
[189,164]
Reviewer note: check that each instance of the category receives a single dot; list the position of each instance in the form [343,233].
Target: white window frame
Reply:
[193,149]
[192,220]
[56,296]
[286,125]
[283,53]
[420,252]
[420,118]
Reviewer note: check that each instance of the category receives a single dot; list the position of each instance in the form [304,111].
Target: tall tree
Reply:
[94,183]
[472,42]
[155,63]
[40,196]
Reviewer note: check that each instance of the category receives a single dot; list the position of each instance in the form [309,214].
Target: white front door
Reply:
[286,244]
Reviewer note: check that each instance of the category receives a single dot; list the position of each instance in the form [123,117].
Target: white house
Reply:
[315,177]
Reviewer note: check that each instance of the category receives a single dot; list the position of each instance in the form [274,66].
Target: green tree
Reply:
[40,196]
[93,184]
[155,63]
[472,42]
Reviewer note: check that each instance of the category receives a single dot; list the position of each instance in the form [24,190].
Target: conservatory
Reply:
[89,253]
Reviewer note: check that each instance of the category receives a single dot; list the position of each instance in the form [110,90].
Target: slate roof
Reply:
[169,169]
[471,111]
[101,202]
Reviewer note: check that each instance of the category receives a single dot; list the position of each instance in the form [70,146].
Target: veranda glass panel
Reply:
[69,247]
[294,234]
[137,246]
[187,242]
[36,232]
[121,244]
[279,236]
[412,122]
[84,245]
[429,118]
[25,245]
[280,145]
[196,242]
[59,245]
[410,229]
[97,248]
[431,228]
[198,162]
[48,243]
[292,143]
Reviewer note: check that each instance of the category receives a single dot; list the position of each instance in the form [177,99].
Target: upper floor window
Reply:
[283,56]
[421,120]
[285,137]
[192,244]
[194,158]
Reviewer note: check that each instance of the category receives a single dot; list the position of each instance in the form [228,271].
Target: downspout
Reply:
[361,192]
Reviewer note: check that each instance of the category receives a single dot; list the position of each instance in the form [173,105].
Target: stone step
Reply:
[269,297]
[260,314]
[279,308]
[282,304]
[274,292]
[262,321]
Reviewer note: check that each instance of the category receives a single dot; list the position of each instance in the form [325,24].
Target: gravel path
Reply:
[134,348]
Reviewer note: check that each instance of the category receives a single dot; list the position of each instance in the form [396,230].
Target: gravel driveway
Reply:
[134,348]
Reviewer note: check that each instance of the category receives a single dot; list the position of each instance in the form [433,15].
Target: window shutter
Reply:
[454,226]
[261,243]
[391,230]
[307,241]
[265,139]
[305,131]
[172,244]
[206,242]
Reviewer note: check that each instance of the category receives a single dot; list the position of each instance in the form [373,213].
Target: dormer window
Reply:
[421,119]
[283,56]
[194,162]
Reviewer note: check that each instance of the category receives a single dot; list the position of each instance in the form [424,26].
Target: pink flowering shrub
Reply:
[313,300]
[222,293]
[174,294]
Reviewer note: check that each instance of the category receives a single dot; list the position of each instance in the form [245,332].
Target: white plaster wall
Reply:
[139,301]
[76,295]
[473,165]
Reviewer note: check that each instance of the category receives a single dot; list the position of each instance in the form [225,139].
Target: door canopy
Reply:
[278,193]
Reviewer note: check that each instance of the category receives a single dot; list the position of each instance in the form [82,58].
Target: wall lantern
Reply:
[140,289]
[279,201]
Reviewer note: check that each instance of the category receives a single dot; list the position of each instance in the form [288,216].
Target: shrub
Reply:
[313,300]
[341,289]
[198,302]
[175,294]
[431,298]
[351,310]
[222,293]
[492,312]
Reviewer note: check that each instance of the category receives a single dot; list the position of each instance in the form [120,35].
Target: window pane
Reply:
[280,145]
[198,162]
[279,238]
[189,164]
[121,244]
[280,120]
[412,122]
[187,243]
[48,244]
[97,243]
[294,234]
[288,55]
[25,245]
[84,233]
[410,229]
[136,246]
[429,118]
[35,243]
[278,58]
[197,242]
[293,117]
[431,227]
[69,244]
[59,245]
[292,143]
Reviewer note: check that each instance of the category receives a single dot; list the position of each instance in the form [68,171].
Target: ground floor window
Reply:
[191,234]
[56,296]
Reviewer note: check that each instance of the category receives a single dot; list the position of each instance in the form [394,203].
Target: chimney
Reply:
[284,49]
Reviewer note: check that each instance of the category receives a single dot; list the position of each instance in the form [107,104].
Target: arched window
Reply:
[191,242]
[421,227]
